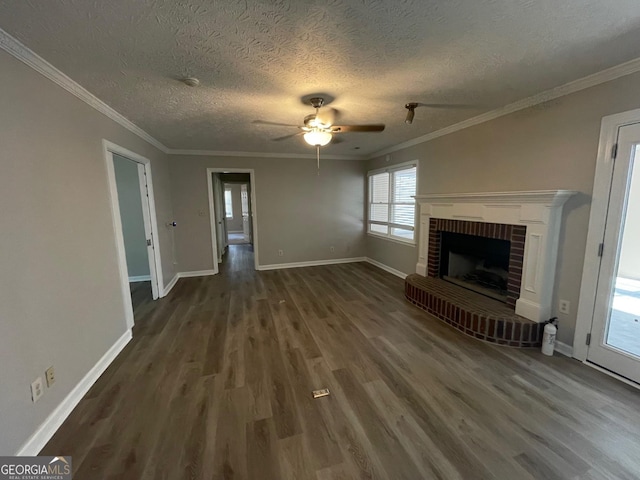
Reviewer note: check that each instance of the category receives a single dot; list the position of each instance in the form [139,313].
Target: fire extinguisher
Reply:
[549,336]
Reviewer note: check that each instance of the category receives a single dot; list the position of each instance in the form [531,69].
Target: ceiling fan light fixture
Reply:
[317,138]
[411,107]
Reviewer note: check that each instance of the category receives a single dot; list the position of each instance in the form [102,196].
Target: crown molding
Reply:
[29,57]
[627,68]
[23,53]
[218,153]
[20,51]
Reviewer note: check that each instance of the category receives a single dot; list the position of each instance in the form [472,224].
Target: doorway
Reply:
[135,227]
[237,208]
[614,336]
[232,205]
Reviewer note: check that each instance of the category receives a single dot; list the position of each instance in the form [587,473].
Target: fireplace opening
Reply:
[477,263]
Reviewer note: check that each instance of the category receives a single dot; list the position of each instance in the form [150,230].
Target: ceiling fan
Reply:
[318,129]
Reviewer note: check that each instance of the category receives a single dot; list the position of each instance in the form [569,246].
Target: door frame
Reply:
[149,214]
[597,220]
[254,211]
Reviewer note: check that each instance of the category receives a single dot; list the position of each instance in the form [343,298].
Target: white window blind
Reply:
[228,203]
[391,204]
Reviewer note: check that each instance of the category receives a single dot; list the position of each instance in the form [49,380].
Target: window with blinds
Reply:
[391,205]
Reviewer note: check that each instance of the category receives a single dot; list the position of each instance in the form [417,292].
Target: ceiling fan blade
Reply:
[279,139]
[327,116]
[450,106]
[357,128]
[275,124]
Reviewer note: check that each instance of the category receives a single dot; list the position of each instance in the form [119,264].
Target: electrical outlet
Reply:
[36,389]
[564,307]
[50,375]
[280,253]
[332,248]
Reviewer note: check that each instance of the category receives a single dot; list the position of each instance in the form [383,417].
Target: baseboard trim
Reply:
[313,263]
[179,275]
[196,273]
[140,278]
[170,286]
[44,432]
[564,349]
[386,268]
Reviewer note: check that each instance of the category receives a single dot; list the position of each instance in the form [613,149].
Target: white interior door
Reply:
[220,227]
[615,334]
[246,227]
[148,229]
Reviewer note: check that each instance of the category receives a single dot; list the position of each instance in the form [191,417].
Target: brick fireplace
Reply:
[530,220]
[524,224]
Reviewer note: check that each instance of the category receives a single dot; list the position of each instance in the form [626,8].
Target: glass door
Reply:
[615,343]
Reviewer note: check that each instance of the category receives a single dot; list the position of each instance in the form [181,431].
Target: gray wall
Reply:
[61,302]
[235,224]
[549,146]
[135,241]
[298,211]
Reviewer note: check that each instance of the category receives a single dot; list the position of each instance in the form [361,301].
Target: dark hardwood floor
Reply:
[141,297]
[217,381]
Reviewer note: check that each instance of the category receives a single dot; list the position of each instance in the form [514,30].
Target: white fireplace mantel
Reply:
[540,211]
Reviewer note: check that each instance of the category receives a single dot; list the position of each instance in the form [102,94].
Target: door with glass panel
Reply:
[615,334]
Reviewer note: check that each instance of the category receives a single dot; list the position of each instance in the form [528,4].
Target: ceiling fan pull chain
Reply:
[318,157]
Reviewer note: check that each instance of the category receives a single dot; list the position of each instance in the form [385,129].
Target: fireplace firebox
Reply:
[477,263]
[514,235]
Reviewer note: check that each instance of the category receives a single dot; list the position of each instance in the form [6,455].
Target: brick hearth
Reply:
[471,313]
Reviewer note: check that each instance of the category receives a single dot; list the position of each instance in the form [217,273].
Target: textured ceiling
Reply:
[257,59]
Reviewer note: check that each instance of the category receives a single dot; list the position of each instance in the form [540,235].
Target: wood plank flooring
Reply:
[141,297]
[217,382]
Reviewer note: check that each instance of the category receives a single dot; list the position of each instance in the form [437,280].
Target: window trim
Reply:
[389,236]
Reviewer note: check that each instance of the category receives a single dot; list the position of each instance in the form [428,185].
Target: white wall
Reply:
[135,240]
[549,146]
[298,211]
[61,301]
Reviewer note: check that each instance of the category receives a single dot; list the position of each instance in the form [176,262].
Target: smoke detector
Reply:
[191,81]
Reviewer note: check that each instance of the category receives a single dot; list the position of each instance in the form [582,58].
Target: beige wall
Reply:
[549,146]
[298,211]
[60,297]
[132,219]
